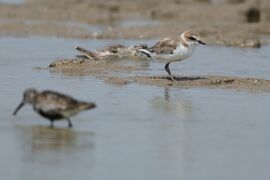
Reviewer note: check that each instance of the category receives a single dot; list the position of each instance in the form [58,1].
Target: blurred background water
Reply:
[136,132]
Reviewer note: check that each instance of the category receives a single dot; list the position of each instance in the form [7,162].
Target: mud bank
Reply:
[219,22]
[224,82]
[105,70]
[90,67]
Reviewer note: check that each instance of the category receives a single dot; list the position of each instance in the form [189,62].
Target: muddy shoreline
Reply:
[103,70]
[223,23]
[213,81]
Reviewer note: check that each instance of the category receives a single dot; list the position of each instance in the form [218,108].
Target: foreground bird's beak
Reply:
[18,108]
[199,41]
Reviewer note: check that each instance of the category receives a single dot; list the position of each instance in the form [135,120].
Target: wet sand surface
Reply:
[224,22]
[104,69]
[250,84]
[155,131]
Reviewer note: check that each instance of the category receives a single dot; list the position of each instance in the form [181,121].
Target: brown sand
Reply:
[224,82]
[89,67]
[224,23]
[103,70]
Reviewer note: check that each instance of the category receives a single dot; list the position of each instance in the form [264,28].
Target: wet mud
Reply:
[223,82]
[104,70]
[90,67]
[230,23]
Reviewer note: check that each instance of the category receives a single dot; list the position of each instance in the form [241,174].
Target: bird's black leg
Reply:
[51,125]
[168,70]
[69,123]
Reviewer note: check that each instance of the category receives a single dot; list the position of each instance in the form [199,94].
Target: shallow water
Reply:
[12,1]
[137,132]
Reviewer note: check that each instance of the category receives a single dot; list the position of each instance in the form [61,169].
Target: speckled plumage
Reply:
[165,46]
[53,105]
[111,52]
[173,49]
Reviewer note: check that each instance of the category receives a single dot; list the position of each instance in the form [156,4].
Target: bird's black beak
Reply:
[199,41]
[18,108]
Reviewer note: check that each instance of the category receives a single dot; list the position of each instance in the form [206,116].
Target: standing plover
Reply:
[173,49]
[112,52]
[53,105]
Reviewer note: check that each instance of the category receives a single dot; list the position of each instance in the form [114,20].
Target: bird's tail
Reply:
[145,52]
[86,105]
[89,54]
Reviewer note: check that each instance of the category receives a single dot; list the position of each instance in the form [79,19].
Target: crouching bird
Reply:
[53,105]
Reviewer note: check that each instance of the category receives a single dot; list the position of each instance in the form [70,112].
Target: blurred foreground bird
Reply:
[53,105]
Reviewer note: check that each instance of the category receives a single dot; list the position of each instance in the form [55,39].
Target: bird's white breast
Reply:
[182,52]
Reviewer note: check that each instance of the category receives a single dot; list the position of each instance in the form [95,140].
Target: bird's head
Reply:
[28,98]
[191,38]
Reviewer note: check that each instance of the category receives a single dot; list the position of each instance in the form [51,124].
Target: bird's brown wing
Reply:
[53,102]
[165,46]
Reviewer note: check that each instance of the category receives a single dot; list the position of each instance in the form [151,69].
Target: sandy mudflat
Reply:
[224,82]
[104,70]
[218,23]
[89,67]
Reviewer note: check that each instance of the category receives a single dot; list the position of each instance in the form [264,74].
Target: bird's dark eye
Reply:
[192,39]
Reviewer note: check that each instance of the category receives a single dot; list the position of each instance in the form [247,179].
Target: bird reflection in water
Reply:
[48,138]
[44,138]
[168,104]
[43,149]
